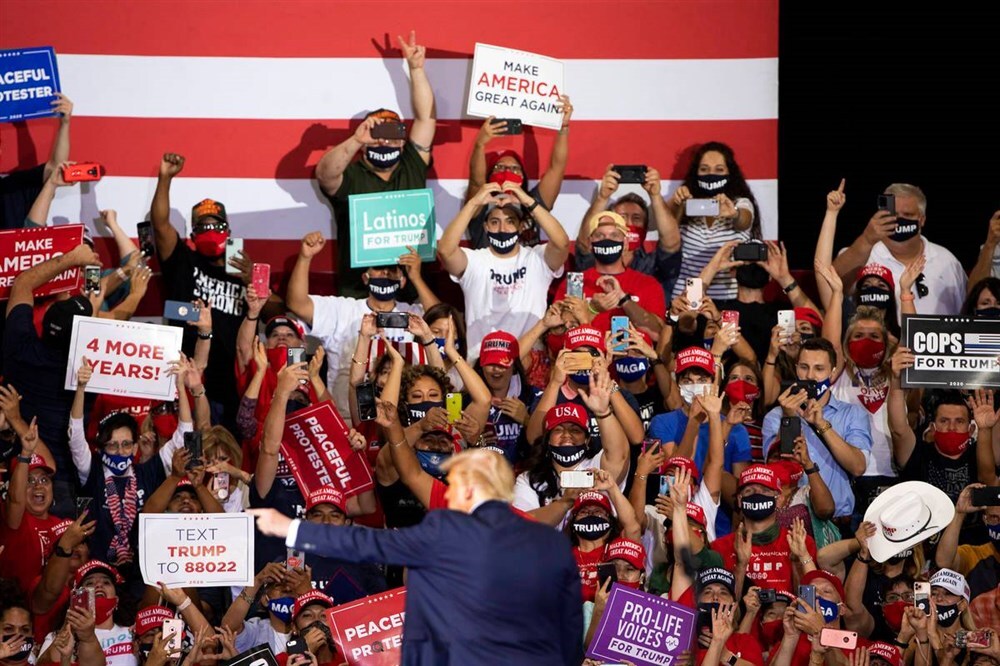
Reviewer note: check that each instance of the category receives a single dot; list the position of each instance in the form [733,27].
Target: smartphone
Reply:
[82,504]
[146,243]
[83,599]
[606,570]
[365,394]
[295,355]
[807,596]
[766,595]
[92,279]
[665,482]
[390,129]
[630,173]
[514,125]
[392,320]
[294,559]
[731,317]
[695,291]
[174,626]
[652,444]
[233,247]
[576,479]
[750,251]
[192,442]
[619,327]
[82,172]
[988,496]
[701,208]
[887,202]
[181,311]
[296,645]
[261,280]
[791,429]
[453,403]
[578,360]
[807,385]
[220,485]
[835,638]
[786,320]
[574,285]
[973,639]
[922,596]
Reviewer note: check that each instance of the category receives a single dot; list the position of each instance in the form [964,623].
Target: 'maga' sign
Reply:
[958,352]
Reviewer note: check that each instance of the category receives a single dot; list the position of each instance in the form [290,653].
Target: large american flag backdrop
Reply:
[253,92]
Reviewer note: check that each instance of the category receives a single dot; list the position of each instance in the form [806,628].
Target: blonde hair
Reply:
[869,313]
[483,469]
[218,437]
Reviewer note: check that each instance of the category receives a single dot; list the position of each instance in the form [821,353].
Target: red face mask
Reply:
[501,177]
[951,443]
[103,608]
[554,343]
[277,358]
[164,425]
[771,632]
[866,352]
[893,614]
[634,586]
[635,237]
[211,243]
[740,390]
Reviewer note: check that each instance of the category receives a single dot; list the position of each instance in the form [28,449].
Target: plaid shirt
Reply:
[986,609]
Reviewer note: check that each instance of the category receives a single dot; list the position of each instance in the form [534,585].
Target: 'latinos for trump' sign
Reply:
[383,224]
[958,352]
[516,84]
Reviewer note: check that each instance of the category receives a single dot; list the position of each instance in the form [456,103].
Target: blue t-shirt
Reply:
[510,432]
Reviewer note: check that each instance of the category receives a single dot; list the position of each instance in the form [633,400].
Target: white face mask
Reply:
[690,391]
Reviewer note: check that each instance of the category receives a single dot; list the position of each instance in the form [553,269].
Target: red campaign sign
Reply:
[20,249]
[369,631]
[316,446]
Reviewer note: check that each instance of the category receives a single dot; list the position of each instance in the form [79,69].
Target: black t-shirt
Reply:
[359,178]
[18,191]
[756,322]
[38,372]
[950,475]
[284,496]
[345,581]
[188,275]
[400,506]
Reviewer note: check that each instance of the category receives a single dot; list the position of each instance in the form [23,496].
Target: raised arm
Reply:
[246,336]
[626,514]
[712,477]
[412,264]
[477,160]
[946,554]
[649,461]
[682,579]
[536,422]
[834,314]
[25,284]
[660,218]
[557,249]
[62,105]
[448,250]
[289,379]
[984,263]
[552,179]
[474,384]
[422,97]
[913,270]
[330,169]
[835,200]
[297,298]
[597,397]
[137,286]
[78,446]
[602,197]
[38,215]
[981,405]
[881,225]
[903,438]
[166,236]
[17,494]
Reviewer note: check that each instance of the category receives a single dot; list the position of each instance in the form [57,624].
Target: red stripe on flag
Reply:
[319,28]
[291,148]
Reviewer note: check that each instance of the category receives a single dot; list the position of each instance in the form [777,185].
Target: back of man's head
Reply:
[488,473]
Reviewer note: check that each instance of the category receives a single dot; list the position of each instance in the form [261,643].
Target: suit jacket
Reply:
[483,588]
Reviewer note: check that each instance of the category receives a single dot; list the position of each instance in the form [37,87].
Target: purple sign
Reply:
[643,629]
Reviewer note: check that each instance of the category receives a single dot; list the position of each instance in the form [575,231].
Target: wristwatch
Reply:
[812,470]
[62,552]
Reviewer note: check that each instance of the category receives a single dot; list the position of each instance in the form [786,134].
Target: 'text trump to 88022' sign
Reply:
[958,352]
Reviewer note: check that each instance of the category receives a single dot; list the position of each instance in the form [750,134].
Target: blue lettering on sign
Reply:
[29,80]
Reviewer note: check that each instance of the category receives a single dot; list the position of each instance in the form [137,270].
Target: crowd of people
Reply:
[657,371]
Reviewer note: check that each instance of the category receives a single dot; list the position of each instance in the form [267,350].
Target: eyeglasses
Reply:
[512,168]
[39,481]
[119,447]
[893,597]
[991,520]
[211,226]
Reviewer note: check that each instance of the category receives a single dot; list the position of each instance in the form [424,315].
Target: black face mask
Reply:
[752,276]
[896,559]
[947,615]
[24,652]
[383,157]
[418,410]
[988,313]
[758,506]
[905,229]
[711,184]
[876,297]
[592,528]
[607,251]
[144,650]
[568,455]
[293,406]
[503,242]
[383,289]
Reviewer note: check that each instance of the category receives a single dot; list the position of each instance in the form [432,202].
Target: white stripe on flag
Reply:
[338,88]
[288,209]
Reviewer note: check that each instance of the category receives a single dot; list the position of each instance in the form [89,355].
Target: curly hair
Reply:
[736,187]
[410,376]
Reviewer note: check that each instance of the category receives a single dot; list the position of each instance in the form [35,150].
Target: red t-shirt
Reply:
[746,645]
[587,564]
[25,548]
[45,623]
[439,488]
[644,290]
[770,564]
[106,403]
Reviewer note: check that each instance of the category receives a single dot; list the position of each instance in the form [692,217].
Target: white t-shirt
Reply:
[336,322]
[116,642]
[525,497]
[504,293]
[655,534]
[943,275]
[880,458]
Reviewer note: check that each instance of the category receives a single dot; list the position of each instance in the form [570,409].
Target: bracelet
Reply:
[24,459]
[766,362]
[805,560]
[204,336]
[198,395]
[604,415]
[624,299]
[249,318]
[531,207]
[907,298]
[356,361]
[428,343]
[823,431]
[591,308]
[920,642]
[245,597]
[863,560]
[791,287]
[655,362]
[183,605]
[899,643]
[813,469]
[121,274]
[641,477]
[398,444]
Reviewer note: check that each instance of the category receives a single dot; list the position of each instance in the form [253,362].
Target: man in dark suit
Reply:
[485,586]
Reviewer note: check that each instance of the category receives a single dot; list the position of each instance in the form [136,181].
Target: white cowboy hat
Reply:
[906,514]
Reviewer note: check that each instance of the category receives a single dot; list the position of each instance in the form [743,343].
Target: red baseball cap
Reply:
[326,495]
[886,651]
[284,320]
[499,348]
[694,357]
[686,463]
[760,474]
[492,158]
[568,412]
[789,472]
[879,271]
[151,617]
[592,498]
[38,462]
[96,565]
[628,550]
[584,336]
[809,315]
[310,597]
[827,576]
[696,513]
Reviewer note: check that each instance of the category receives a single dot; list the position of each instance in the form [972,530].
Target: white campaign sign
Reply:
[196,550]
[129,358]
[516,84]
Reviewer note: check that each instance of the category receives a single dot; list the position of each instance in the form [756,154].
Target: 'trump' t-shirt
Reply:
[770,564]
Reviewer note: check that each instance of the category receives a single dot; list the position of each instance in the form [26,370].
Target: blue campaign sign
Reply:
[29,80]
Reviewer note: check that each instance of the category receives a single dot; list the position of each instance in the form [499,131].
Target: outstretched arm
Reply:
[25,284]
[60,147]
[422,96]
[551,181]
